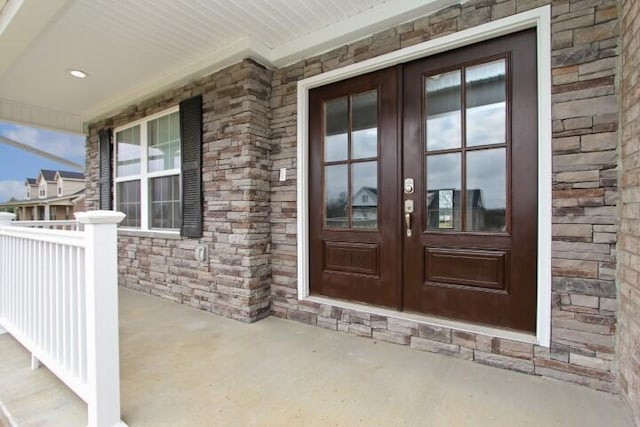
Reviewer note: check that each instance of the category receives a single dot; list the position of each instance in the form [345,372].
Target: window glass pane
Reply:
[443,123]
[164,143]
[128,151]
[128,202]
[364,126]
[443,191]
[165,202]
[486,103]
[486,190]
[336,195]
[336,129]
[174,126]
[364,191]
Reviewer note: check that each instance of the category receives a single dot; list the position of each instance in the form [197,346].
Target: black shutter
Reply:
[105,188]
[191,153]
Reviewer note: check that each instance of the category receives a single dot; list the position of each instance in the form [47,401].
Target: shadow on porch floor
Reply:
[183,367]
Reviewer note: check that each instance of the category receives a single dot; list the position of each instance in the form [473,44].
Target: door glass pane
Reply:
[336,195]
[364,190]
[443,191]
[486,103]
[364,127]
[164,143]
[486,190]
[128,151]
[336,141]
[443,100]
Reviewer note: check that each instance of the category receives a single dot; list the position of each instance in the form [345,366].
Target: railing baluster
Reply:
[83,317]
[73,325]
[58,306]
[40,295]
[45,292]
[82,320]
[65,308]
[21,287]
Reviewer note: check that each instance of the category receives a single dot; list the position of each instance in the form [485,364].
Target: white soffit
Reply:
[132,50]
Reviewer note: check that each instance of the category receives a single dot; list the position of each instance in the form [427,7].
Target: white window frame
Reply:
[539,18]
[144,176]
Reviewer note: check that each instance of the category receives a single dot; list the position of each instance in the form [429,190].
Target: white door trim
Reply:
[540,19]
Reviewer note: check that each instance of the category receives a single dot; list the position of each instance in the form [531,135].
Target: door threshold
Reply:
[428,320]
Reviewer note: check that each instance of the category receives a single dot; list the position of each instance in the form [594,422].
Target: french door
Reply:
[423,193]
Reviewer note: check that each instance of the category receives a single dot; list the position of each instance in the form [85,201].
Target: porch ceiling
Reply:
[131,50]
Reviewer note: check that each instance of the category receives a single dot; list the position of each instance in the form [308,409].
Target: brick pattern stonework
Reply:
[629,234]
[585,122]
[250,216]
[236,185]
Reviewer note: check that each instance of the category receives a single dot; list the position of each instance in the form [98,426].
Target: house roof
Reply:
[48,174]
[71,175]
[31,181]
[174,43]
[371,189]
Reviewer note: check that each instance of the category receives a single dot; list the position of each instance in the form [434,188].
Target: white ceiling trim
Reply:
[34,115]
[217,60]
[358,26]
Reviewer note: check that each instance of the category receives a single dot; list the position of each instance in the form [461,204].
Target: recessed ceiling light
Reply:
[78,73]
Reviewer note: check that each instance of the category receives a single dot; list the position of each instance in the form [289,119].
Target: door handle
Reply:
[407,221]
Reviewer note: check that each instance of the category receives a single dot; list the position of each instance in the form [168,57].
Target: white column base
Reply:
[35,363]
[120,424]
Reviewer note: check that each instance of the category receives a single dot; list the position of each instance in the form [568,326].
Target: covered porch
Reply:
[184,367]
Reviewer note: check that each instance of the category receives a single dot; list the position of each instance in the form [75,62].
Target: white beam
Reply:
[41,153]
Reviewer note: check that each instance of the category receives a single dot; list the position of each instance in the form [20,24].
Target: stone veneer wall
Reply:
[629,235]
[234,282]
[585,121]
[250,133]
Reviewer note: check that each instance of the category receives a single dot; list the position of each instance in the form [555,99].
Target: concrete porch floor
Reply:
[183,367]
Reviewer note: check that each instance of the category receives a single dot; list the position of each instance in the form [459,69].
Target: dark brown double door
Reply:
[423,185]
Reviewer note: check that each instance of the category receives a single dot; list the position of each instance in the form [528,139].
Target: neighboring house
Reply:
[518,104]
[364,206]
[444,212]
[53,195]
[31,186]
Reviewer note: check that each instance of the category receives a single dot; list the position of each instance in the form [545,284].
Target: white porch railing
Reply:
[52,225]
[59,298]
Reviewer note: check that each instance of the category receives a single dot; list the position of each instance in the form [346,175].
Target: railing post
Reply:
[103,358]
[5,221]
[6,218]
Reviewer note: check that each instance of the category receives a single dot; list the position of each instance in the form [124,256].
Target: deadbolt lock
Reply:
[408,186]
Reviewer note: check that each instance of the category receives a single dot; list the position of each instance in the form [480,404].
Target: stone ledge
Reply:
[150,234]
